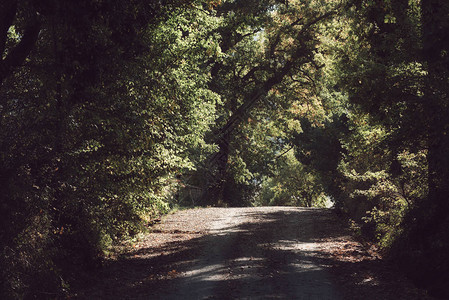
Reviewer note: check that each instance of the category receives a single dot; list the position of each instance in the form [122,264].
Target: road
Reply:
[248,253]
[257,253]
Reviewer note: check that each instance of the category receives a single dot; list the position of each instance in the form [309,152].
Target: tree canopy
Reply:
[114,112]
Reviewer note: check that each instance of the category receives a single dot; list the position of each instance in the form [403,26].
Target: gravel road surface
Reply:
[257,253]
[249,253]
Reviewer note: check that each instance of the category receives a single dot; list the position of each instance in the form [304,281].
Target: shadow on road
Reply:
[253,254]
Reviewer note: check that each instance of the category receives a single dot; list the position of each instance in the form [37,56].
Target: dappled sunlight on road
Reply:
[244,253]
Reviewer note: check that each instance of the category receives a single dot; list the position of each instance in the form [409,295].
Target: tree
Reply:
[393,68]
[263,45]
[97,118]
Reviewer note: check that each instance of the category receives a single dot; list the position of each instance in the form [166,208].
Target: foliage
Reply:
[111,103]
[292,185]
[396,117]
[111,112]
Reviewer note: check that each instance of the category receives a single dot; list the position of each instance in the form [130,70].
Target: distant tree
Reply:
[263,44]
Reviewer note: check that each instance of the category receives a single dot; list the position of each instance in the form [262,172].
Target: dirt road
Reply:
[249,253]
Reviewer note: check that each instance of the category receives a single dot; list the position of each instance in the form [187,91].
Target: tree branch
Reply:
[283,153]
[299,56]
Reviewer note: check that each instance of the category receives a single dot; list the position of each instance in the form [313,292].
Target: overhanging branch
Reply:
[262,90]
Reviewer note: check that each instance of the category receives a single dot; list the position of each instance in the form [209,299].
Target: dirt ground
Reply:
[249,253]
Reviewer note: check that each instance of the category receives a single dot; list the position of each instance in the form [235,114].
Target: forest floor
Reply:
[249,253]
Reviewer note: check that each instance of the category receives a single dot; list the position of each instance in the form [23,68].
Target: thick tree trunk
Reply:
[216,174]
